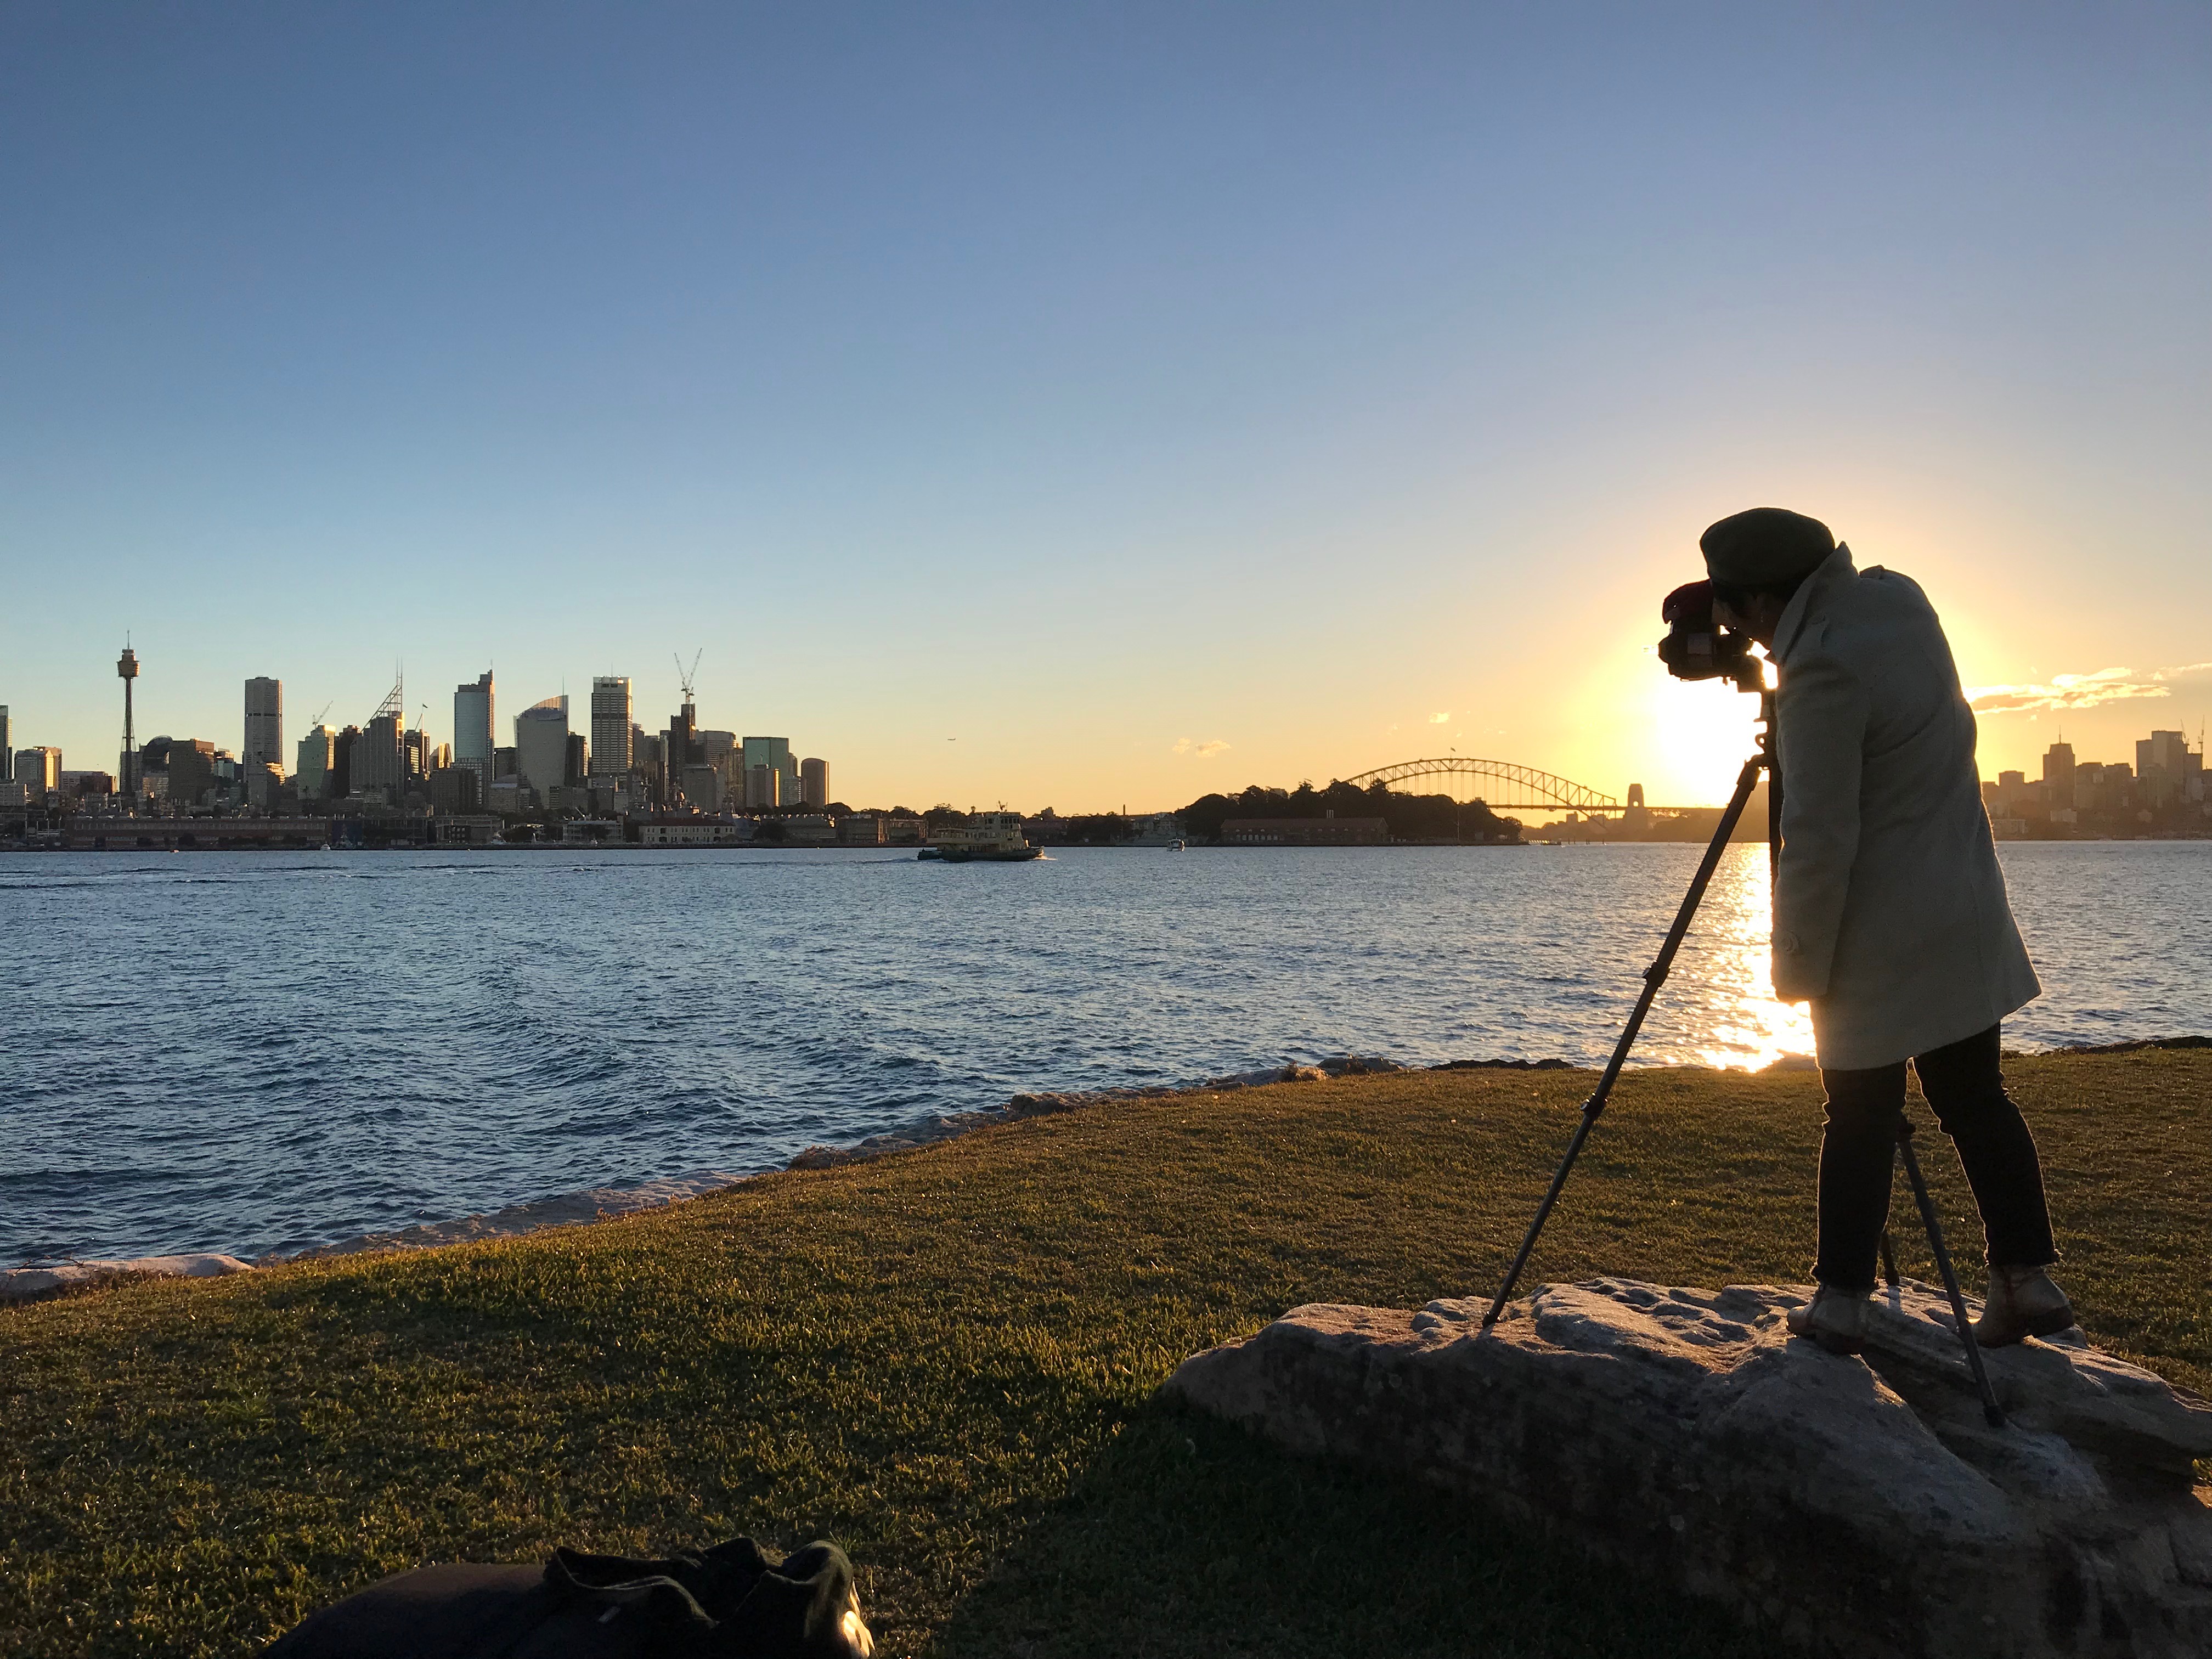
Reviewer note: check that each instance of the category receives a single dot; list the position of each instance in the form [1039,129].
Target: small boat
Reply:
[1174,846]
[928,853]
[987,838]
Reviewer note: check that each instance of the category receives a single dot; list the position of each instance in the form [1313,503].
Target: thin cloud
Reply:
[1206,750]
[1438,720]
[2065,692]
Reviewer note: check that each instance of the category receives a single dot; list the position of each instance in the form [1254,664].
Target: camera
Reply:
[1699,648]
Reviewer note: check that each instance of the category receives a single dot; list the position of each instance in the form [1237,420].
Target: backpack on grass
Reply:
[726,1602]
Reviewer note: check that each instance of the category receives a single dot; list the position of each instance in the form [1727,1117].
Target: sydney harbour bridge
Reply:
[1504,786]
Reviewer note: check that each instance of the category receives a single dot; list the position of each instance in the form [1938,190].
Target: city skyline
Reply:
[1053,408]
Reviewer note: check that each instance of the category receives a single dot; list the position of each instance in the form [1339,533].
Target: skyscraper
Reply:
[814,783]
[2058,772]
[610,726]
[313,768]
[541,744]
[264,723]
[40,770]
[472,729]
[774,753]
[378,763]
[7,755]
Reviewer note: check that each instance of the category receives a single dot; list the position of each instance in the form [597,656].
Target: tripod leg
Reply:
[1653,977]
[1889,1260]
[1990,1410]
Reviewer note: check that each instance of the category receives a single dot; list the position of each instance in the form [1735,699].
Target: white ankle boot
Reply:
[1833,1318]
[2023,1302]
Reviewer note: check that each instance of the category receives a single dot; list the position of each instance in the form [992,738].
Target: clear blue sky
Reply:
[1149,397]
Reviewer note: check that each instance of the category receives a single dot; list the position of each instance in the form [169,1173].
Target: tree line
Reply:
[1411,818]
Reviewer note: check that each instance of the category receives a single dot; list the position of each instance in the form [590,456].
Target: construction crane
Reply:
[686,677]
[320,712]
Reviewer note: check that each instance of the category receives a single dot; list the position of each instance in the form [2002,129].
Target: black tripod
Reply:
[1656,975]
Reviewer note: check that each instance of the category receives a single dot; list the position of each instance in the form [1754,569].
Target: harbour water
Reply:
[256,1052]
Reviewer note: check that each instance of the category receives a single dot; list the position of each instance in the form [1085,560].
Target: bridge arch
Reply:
[1503,785]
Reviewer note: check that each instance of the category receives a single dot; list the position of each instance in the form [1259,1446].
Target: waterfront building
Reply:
[311,765]
[264,723]
[39,771]
[814,783]
[1305,832]
[473,728]
[455,789]
[541,744]
[613,726]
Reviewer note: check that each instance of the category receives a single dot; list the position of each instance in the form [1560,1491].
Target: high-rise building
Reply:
[472,729]
[38,771]
[192,771]
[763,788]
[129,770]
[264,723]
[611,724]
[814,783]
[541,744]
[342,750]
[679,747]
[776,754]
[313,767]
[2058,772]
[2164,752]
[702,788]
[7,755]
[579,766]
[379,760]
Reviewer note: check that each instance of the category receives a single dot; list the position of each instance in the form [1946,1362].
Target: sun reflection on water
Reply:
[1742,1026]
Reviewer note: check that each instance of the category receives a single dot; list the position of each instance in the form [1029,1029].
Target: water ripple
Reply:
[249,1052]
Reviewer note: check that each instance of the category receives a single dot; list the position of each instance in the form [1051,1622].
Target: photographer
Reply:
[1890,916]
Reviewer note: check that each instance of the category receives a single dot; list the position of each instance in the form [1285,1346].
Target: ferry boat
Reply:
[989,837]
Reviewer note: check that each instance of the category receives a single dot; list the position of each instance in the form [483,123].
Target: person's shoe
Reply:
[2023,1302]
[1833,1318]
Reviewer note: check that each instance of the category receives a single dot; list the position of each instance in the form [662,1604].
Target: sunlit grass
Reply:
[945,1361]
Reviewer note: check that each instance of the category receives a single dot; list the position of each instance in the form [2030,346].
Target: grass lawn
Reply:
[945,1361]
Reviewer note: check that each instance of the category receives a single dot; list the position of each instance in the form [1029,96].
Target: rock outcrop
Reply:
[1856,1506]
[22,1284]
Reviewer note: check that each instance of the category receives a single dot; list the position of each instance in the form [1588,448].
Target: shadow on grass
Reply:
[1189,1536]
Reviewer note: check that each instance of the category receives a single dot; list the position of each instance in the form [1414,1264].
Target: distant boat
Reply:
[1174,846]
[986,837]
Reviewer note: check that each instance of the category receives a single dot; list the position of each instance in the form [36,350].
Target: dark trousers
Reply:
[1965,1085]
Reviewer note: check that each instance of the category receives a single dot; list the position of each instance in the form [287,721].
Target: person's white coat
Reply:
[1890,915]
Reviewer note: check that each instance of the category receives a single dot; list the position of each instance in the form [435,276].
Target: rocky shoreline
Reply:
[605,1203]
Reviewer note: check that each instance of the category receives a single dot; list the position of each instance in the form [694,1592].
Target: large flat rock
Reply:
[1856,1506]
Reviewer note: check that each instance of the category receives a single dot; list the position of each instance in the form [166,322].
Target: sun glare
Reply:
[1745,1027]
